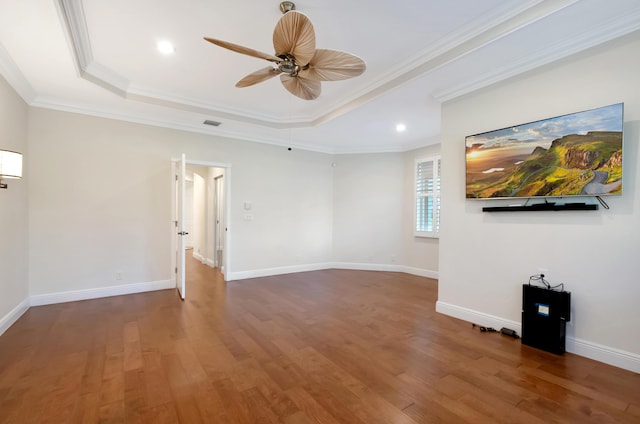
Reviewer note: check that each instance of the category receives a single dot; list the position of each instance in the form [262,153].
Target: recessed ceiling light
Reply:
[166,47]
[401,127]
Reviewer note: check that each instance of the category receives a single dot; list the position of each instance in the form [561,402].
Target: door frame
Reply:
[226,258]
[219,224]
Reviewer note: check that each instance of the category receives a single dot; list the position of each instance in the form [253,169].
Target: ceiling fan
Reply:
[300,65]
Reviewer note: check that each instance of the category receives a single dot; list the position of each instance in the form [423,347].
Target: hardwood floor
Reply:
[331,346]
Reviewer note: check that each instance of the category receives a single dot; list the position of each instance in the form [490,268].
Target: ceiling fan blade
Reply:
[258,76]
[333,65]
[294,35]
[301,87]
[244,50]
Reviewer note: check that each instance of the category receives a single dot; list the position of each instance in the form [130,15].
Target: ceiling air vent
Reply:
[212,123]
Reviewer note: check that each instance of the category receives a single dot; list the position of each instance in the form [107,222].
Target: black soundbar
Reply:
[549,206]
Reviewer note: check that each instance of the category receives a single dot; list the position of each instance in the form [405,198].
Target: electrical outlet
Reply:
[118,275]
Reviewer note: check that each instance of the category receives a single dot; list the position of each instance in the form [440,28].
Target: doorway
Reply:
[204,214]
[201,224]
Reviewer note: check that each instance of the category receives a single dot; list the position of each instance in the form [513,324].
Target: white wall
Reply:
[486,257]
[291,213]
[99,203]
[199,209]
[215,212]
[420,253]
[368,209]
[187,219]
[14,291]
[373,214]
[108,213]
[101,197]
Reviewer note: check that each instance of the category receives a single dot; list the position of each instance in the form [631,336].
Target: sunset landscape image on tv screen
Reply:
[571,155]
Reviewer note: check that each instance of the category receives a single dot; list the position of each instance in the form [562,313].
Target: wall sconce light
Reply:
[10,165]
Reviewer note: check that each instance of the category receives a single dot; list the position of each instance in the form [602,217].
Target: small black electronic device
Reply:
[545,313]
[509,332]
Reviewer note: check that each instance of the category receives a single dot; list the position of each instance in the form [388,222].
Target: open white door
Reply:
[180,227]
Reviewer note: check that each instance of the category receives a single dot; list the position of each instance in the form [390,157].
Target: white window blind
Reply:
[427,204]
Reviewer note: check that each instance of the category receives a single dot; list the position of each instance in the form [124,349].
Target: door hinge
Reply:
[176,271]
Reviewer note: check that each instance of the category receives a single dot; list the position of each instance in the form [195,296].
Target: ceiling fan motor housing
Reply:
[289,66]
[287,6]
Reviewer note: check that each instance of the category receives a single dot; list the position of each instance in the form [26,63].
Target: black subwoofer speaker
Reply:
[545,314]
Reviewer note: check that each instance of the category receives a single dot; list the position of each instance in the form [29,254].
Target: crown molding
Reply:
[115,114]
[490,27]
[72,12]
[469,39]
[610,30]
[153,97]
[10,71]
[487,29]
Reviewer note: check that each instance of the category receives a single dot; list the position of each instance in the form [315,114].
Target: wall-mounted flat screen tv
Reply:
[579,154]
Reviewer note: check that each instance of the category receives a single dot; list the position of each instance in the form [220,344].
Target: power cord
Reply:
[503,330]
[540,278]
[484,329]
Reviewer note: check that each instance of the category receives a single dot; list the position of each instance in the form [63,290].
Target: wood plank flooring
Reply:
[331,346]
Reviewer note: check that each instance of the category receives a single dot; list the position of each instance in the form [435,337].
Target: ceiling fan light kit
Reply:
[299,64]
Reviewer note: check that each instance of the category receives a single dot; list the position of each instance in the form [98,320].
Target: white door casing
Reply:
[177,255]
[220,222]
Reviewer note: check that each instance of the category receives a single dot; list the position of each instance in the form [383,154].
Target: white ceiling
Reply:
[100,58]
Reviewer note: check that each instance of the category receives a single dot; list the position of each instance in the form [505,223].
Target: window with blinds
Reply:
[427,185]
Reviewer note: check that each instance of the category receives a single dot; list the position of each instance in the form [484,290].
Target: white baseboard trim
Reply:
[366,266]
[267,272]
[203,260]
[420,272]
[13,315]
[385,267]
[608,355]
[72,296]
[476,317]
[198,257]
[605,354]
